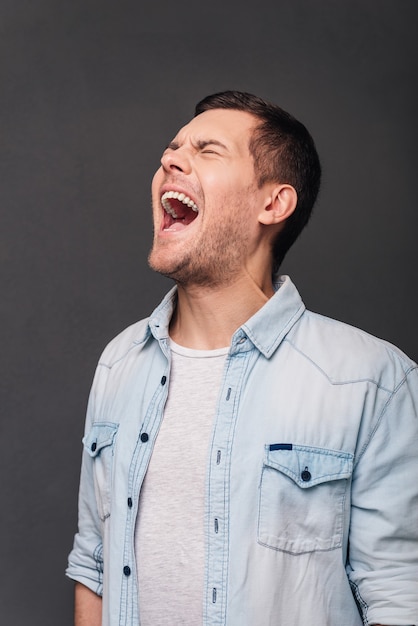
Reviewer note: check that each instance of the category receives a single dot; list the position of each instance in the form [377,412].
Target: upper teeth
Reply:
[177,196]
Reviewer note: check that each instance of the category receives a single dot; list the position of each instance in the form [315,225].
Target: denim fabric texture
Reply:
[311,510]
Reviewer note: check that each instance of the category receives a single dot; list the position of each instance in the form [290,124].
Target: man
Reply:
[246,462]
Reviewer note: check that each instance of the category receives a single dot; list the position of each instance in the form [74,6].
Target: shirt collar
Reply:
[265,329]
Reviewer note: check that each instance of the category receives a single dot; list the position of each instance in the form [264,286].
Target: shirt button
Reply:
[127,570]
[130,503]
[144,437]
[93,446]
[164,380]
[306,475]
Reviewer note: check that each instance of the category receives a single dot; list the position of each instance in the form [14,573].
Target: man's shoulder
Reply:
[135,336]
[132,337]
[345,353]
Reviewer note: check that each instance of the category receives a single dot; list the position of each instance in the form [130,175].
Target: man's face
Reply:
[205,200]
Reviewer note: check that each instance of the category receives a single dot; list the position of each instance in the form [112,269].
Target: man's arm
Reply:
[88,607]
[383,555]
[85,561]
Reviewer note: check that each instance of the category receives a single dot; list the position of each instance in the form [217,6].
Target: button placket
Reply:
[219,480]
[151,420]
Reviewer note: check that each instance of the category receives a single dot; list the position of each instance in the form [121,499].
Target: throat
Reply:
[206,318]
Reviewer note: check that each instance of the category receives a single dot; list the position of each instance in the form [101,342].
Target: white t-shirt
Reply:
[169,539]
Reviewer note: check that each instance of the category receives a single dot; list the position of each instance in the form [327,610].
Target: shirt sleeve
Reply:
[85,561]
[383,542]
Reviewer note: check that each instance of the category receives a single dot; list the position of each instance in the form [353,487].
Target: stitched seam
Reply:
[342,382]
[380,418]
[268,351]
[361,603]
[98,557]
[131,347]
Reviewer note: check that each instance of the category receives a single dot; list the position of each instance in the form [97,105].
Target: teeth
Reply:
[177,196]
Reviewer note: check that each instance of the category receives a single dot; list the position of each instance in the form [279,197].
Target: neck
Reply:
[206,317]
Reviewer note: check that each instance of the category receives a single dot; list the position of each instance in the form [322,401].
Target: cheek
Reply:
[220,192]
[155,191]
[157,181]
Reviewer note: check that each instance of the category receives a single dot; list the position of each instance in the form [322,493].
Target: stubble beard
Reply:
[215,259]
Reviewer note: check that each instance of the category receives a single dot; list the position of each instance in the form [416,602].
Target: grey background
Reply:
[91,91]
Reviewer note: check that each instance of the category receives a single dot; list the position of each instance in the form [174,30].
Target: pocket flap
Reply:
[308,466]
[100,436]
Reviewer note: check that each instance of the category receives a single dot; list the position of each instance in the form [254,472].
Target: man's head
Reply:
[283,152]
[225,194]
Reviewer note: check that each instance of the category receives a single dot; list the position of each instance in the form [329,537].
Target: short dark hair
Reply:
[283,151]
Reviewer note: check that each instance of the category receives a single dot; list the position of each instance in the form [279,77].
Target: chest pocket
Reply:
[302,496]
[99,445]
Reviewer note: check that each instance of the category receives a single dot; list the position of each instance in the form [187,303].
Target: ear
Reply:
[279,204]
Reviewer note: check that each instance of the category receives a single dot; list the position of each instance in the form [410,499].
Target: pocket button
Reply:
[306,475]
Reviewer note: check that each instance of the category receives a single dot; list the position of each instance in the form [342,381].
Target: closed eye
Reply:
[201,145]
[206,146]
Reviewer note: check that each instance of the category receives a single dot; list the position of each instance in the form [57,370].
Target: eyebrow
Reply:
[200,144]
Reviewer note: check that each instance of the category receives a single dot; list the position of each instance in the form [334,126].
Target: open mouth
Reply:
[179,209]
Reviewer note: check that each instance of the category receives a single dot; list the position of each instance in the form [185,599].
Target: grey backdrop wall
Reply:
[91,91]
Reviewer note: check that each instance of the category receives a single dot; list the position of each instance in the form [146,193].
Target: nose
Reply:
[176,159]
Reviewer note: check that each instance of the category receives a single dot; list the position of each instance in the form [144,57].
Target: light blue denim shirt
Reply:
[311,513]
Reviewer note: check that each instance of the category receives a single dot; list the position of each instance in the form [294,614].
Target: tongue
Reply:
[176,226]
[185,215]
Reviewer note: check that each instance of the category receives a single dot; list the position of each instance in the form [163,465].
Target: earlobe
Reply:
[279,205]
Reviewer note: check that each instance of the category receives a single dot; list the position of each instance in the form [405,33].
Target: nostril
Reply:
[177,159]
[170,162]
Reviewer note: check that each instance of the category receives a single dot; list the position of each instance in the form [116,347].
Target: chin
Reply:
[163,265]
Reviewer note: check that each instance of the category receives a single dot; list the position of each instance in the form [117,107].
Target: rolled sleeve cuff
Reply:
[85,568]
